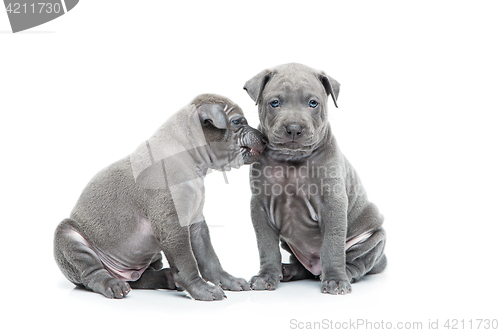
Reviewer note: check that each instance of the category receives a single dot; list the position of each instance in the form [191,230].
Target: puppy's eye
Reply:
[237,121]
[313,103]
[275,103]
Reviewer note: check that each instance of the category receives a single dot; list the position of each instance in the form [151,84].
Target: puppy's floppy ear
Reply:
[213,114]
[331,85]
[255,85]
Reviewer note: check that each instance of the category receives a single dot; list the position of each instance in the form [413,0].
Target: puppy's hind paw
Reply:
[115,288]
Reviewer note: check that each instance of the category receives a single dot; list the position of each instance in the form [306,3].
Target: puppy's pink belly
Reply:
[115,265]
[310,259]
[309,256]
[119,269]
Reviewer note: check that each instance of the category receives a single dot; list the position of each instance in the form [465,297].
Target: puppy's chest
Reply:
[294,201]
[290,180]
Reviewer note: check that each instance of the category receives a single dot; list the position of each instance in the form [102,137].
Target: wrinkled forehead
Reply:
[303,83]
[232,111]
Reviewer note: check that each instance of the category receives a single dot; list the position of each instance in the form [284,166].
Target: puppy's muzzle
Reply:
[253,143]
[293,131]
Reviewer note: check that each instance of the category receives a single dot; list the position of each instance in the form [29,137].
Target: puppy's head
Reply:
[292,102]
[226,130]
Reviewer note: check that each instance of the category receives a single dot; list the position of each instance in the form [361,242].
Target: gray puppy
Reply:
[151,201]
[305,192]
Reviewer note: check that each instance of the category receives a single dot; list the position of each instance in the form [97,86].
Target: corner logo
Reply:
[25,14]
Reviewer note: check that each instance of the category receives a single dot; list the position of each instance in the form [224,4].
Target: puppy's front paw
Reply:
[229,282]
[203,291]
[264,281]
[330,286]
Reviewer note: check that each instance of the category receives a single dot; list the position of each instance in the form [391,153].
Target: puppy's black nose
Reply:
[293,131]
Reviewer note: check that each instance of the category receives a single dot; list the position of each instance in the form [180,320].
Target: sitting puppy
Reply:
[151,201]
[305,192]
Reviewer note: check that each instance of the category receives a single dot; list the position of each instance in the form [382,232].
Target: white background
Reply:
[418,119]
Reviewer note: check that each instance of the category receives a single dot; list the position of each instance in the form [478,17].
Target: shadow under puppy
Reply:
[304,191]
[152,201]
